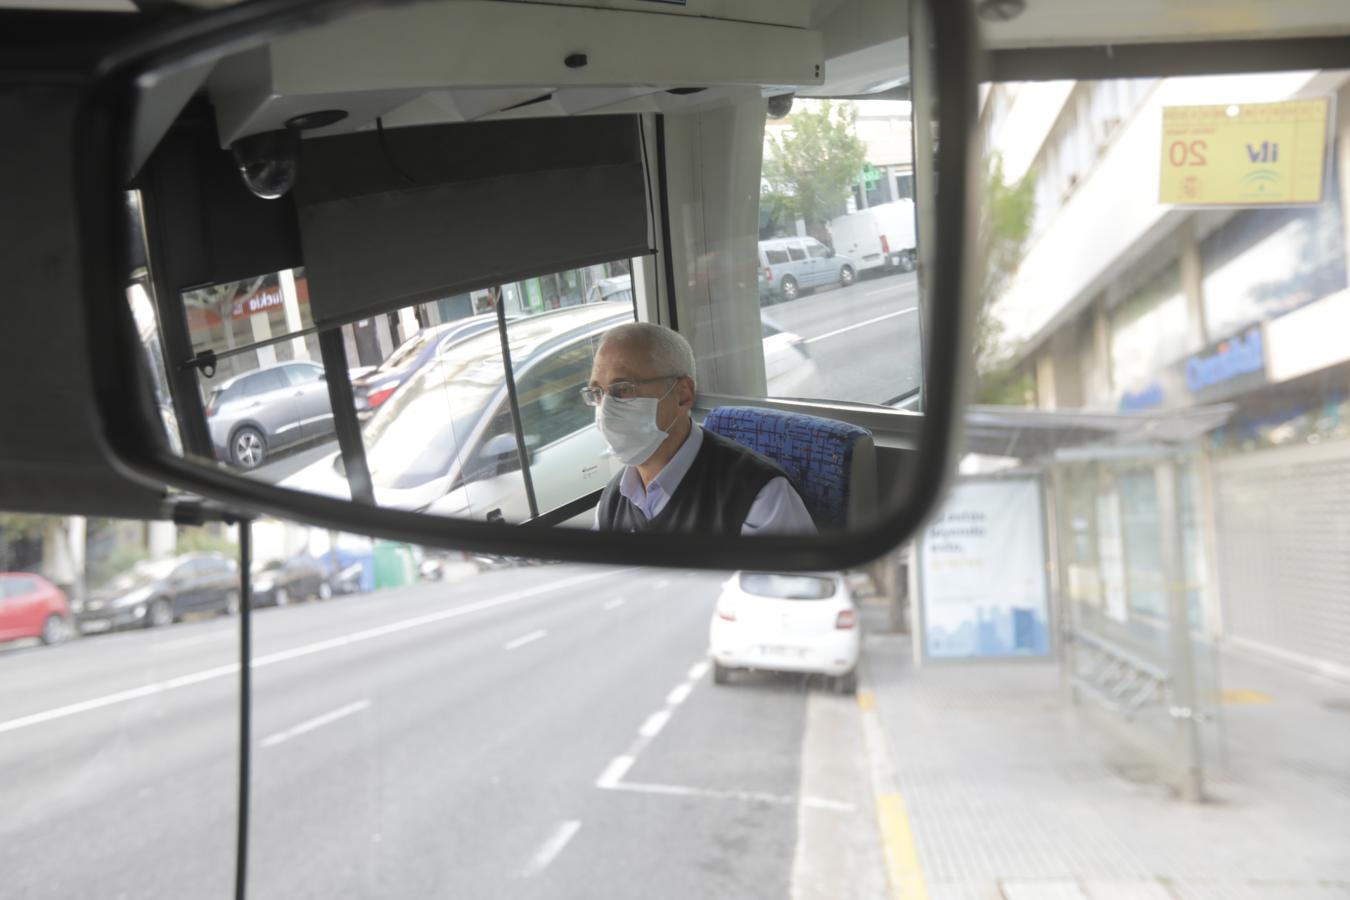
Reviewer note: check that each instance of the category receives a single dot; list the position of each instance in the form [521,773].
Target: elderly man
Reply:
[678,477]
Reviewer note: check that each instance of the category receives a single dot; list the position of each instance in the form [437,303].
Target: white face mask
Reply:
[629,427]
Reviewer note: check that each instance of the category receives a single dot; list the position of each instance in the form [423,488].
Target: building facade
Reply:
[1122,303]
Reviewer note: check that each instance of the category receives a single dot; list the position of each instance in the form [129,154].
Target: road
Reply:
[864,339]
[538,732]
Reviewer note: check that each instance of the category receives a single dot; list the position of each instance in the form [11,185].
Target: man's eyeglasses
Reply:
[620,390]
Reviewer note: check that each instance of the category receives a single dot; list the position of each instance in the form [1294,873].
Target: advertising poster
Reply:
[982,573]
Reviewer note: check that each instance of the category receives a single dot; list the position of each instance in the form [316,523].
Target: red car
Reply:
[31,606]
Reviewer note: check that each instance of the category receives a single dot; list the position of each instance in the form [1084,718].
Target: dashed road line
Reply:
[547,853]
[699,670]
[524,639]
[679,694]
[309,725]
[614,772]
[680,790]
[655,722]
[355,637]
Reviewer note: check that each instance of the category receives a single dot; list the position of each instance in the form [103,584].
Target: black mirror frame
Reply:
[140,451]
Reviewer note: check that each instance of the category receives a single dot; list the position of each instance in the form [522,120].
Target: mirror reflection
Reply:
[638,309]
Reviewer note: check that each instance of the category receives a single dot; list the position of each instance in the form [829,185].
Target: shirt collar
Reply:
[670,476]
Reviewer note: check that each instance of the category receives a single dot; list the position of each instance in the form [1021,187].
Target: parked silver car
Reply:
[257,413]
[788,266]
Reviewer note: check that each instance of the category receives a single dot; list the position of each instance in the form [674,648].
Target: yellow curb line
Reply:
[904,871]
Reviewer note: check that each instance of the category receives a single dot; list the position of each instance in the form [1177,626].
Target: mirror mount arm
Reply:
[205,361]
[350,443]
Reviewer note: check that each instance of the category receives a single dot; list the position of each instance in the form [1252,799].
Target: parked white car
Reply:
[787,623]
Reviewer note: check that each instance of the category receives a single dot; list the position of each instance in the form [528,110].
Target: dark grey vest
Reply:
[714,496]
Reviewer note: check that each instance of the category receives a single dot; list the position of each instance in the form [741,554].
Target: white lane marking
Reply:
[680,694]
[662,584]
[147,690]
[614,772]
[327,718]
[619,766]
[356,637]
[679,790]
[525,639]
[615,603]
[552,847]
[655,722]
[837,331]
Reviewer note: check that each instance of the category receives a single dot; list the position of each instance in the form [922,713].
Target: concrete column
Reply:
[1045,380]
[1192,286]
[382,335]
[262,331]
[407,323]
[645,288]
[161,539]
[291,306]
[1104,388]
[77,529]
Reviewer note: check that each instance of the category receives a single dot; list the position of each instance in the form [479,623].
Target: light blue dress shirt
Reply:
[777,509]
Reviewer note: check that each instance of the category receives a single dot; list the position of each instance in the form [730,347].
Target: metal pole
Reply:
[1184,703]
[522,452]
[923,112]
[245,704]
[348,430]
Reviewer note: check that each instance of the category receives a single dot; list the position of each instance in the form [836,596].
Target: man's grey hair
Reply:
[669,352]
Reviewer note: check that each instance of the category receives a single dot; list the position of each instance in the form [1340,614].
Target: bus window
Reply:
[836,262]
[437,425]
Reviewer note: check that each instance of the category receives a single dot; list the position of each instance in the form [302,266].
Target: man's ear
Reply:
[688,390]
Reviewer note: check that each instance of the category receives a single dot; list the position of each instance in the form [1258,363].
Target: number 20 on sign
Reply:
[1252,154]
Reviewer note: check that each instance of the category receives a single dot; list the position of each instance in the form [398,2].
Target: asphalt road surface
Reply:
[535,732]
[863,338]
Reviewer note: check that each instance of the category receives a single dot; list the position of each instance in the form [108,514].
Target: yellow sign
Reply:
[1254,154]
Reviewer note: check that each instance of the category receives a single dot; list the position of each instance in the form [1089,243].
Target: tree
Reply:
[808,171]
[1005,226]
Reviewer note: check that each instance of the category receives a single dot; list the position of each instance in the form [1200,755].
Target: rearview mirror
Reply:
[466,235]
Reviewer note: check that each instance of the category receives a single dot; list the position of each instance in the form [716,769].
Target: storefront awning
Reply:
[1037,434]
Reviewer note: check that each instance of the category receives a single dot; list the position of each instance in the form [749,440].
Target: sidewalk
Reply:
[1011,794]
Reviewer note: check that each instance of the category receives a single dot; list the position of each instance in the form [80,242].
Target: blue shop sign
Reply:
[1150,397]
[1234,358]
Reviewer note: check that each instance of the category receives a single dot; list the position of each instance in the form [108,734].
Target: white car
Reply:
[444,441]
[789,370]
[787,623]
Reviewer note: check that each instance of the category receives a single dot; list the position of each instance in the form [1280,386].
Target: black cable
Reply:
[647,177]
[389,157]
[667,252]
[245,704]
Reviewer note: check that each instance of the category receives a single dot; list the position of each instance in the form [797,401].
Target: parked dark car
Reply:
[277,582]
[32,607]
[160,592]
[253,415]
[374,387]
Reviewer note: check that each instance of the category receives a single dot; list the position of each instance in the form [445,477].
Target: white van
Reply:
[879,237]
